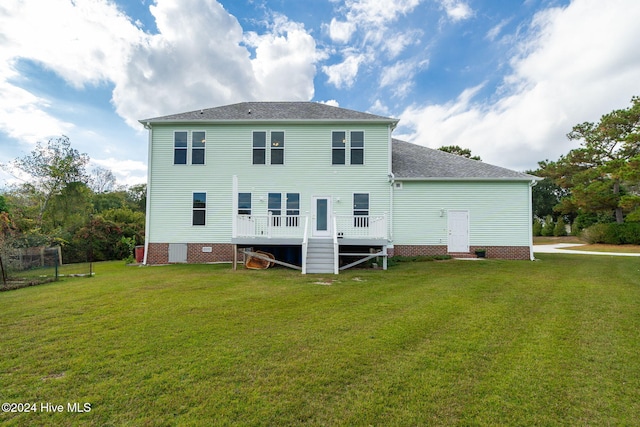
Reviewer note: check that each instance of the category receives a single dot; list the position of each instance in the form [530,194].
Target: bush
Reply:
[560,228]
[595,234]
[548,227]
[613,234]
[537,227]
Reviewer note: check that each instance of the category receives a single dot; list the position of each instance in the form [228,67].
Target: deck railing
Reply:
[293,226]
[362,226]
[270,226]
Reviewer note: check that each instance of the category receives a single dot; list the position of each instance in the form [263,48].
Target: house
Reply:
[321,188]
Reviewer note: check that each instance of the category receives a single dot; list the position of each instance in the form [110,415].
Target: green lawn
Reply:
[550,342]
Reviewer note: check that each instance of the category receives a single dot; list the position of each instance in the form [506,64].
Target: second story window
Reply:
[259,148]
[180,148]
[357,148]
[197,147]
[338,148]
[277,148]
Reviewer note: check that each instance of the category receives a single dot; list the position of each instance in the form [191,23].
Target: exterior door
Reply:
[321,216]
[458,224]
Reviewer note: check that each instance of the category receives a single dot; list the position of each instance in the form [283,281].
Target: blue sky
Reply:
[507,79]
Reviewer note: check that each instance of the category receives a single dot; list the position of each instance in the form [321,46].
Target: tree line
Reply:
[595,187]
[62,203]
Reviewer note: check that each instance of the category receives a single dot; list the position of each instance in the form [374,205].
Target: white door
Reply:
[458,224]
[321,216]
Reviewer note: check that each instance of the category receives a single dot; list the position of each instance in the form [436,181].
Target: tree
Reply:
[102,180]
[560,228]
[603,173]
[52,167]
[457,150]
[545,196]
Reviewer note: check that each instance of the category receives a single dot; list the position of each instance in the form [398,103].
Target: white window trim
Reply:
[284,147]
[266,147]
[206,204]
[346,148]
[364,146]
[191,148]
[173,148]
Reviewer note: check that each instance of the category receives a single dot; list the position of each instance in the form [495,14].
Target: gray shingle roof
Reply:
[272,111]
[411,161]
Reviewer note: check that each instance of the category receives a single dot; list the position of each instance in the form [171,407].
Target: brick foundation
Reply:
[220,252]
[500,252]
[158,253]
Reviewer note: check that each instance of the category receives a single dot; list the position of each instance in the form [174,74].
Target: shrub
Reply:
[547,228]
[595,234]
[627,233]
[560,228]
[537,227]
[613,234]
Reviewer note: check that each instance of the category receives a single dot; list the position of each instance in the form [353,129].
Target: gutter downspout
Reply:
[392,178]
[147,225]
[530,228]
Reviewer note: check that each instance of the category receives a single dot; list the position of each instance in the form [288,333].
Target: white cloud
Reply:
[285,59]
[84,42]
[197,59]
[494,32]
[370,19]
[378,12]
[579,62]
[343,75]
[341,31]
[331,102]
[457,10]
[400,75]
[127,172]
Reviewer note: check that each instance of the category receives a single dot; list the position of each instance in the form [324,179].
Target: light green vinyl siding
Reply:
[307,170]
[498,212]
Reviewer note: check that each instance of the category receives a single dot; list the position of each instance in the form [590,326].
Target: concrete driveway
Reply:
[557,249]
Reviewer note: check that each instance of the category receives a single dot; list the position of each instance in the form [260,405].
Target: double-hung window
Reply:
[244,203]
[338,148]
[277,148]
[259,148]
[199,208]
[357,148]
[360,209]
[275,208]
[293,209]
[198,139]
[180,148]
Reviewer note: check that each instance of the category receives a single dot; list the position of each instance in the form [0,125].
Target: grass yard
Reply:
[551,342]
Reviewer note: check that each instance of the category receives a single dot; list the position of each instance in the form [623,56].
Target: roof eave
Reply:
[460,179]
[243,121]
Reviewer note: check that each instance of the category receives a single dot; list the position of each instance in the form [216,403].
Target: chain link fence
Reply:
[22,267]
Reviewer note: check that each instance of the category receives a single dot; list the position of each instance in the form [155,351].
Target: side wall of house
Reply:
[307,170]
[499,216]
